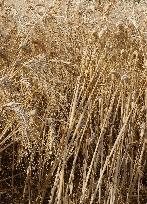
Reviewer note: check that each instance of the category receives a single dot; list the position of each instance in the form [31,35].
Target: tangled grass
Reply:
[73,103]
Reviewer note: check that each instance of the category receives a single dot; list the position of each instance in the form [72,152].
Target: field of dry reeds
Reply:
[73,102]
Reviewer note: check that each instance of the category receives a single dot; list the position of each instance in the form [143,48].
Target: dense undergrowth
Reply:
[73,105]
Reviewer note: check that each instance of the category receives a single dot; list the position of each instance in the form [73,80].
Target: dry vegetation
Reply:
[73,103]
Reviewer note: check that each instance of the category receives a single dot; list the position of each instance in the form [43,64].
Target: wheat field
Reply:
[73,102]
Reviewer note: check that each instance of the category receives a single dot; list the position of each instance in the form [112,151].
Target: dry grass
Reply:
[73,102]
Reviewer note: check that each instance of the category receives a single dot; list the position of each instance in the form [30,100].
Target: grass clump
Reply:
[73,102]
